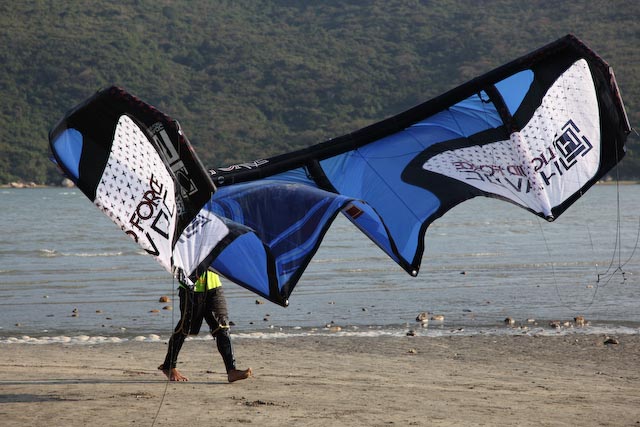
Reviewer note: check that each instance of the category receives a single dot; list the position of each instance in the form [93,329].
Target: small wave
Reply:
[52,253]
[352,332]
[100,254]
[48,253]
[79,339]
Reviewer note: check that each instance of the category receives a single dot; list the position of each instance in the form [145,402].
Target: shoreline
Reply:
[328,332]
[342,381]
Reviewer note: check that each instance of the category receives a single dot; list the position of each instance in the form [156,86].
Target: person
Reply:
[204,301]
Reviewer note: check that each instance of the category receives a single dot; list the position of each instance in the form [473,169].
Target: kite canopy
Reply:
[537,132]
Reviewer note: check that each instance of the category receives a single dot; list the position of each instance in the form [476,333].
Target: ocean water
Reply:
[67,273]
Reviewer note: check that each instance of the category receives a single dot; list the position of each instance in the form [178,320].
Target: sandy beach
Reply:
[340,381]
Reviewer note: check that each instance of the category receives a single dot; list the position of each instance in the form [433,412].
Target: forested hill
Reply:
[250,79]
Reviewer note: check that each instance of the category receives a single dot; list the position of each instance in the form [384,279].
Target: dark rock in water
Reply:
[411,333]
[509,321]
[422,317]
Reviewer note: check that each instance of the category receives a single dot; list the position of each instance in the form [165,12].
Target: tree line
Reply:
[250,79]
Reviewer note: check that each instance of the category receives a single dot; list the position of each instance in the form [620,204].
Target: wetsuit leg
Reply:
[181,331]
[216,317]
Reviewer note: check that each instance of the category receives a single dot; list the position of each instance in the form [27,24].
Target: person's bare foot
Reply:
[238,374]
[173,374]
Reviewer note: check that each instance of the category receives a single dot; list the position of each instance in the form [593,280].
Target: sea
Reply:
[68,274]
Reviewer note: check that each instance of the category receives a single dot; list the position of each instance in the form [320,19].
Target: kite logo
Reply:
[171,158]
[152,207]
[197,224]
[570,144]
[510,176]
[247,165]
[569,147]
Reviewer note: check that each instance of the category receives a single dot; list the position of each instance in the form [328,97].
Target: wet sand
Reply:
[339,381]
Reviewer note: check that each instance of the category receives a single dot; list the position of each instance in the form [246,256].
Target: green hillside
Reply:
[250,78]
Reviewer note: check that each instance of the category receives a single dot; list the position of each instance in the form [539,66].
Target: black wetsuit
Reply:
[211,306]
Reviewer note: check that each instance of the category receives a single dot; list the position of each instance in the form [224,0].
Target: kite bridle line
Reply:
[603,279]
[638,231]
[166,384]
[620,263]
[617,250]
[192,301]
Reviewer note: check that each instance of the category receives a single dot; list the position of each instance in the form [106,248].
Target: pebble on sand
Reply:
[422,317]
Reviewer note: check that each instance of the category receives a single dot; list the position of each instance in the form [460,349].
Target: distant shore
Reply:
[20,185]
[341,381]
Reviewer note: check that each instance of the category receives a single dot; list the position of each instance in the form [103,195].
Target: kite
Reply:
[537,132]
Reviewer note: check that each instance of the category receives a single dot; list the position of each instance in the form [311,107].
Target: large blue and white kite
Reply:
[537,132]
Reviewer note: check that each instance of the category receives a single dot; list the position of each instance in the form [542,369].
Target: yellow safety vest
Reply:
[209,280]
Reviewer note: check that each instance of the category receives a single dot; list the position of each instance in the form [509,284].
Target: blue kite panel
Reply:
[245,262]
[290,231]
[514,88]
[68,146]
